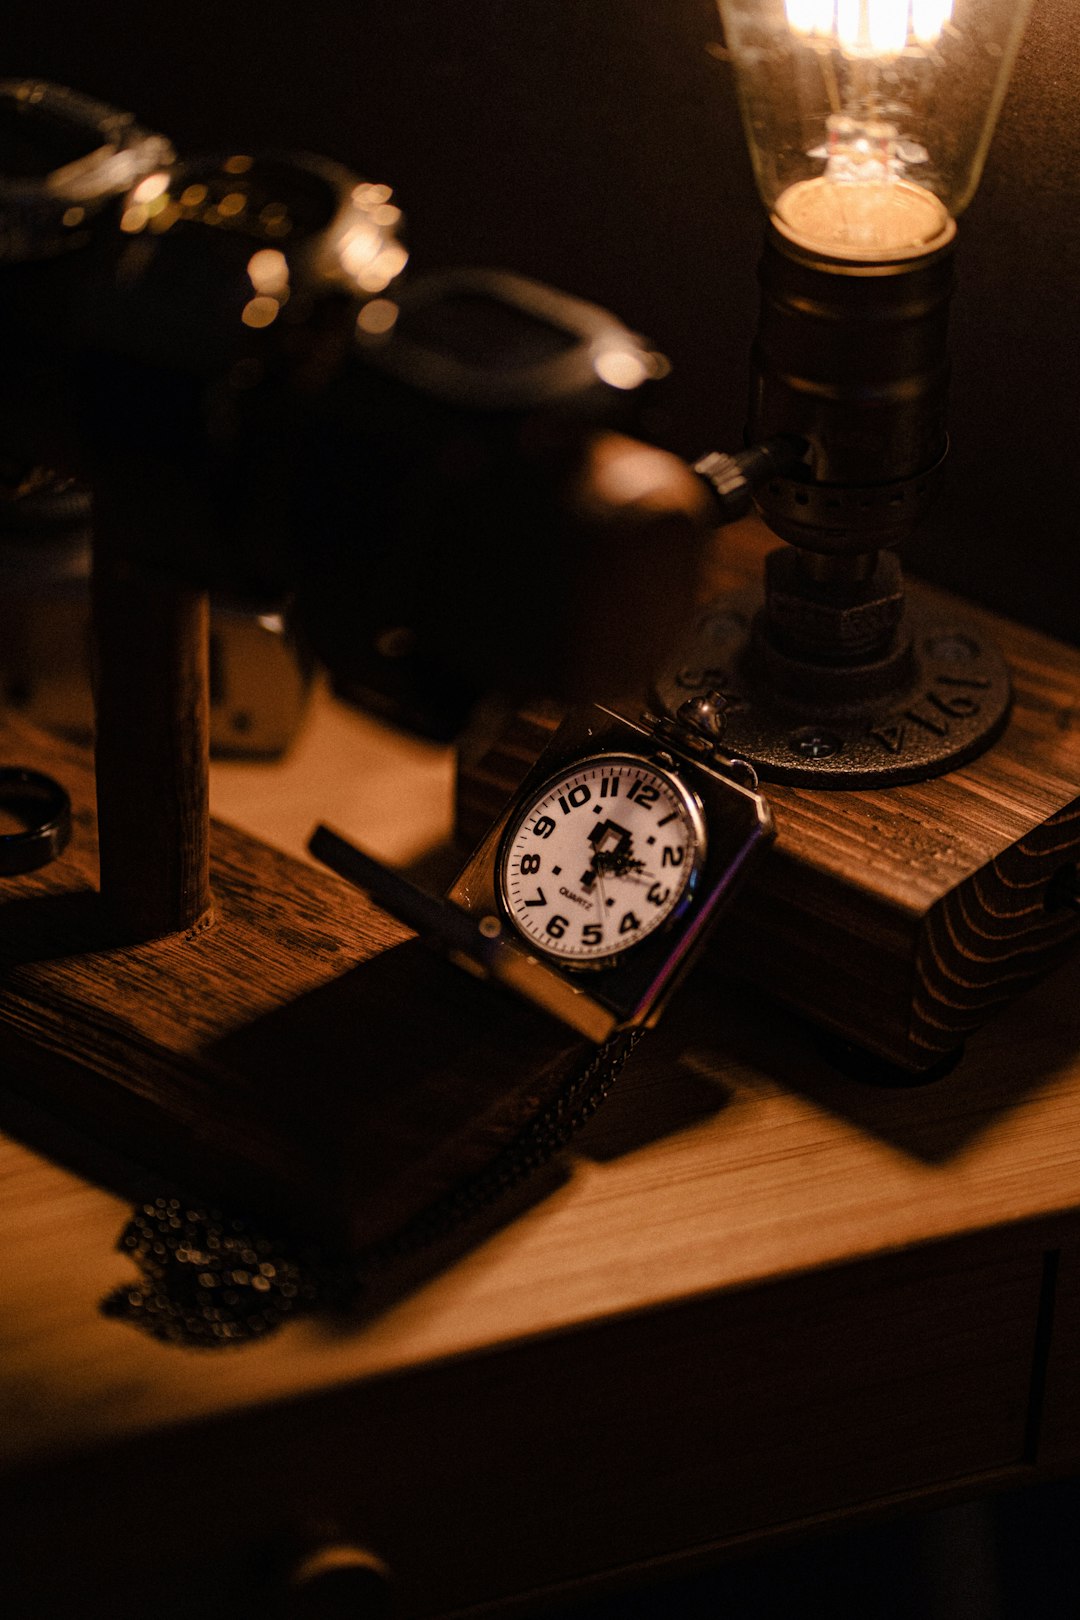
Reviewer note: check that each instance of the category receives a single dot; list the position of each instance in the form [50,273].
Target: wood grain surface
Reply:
[152,704]
[758,1295]
[298,1051]
[899,917]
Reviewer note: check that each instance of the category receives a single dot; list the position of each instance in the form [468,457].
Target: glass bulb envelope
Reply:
[868,121]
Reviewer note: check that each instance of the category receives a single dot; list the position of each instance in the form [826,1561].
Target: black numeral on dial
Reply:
[643,793]
[630,829]
[577,796]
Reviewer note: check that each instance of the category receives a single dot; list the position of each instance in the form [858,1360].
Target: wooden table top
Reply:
[732,1151]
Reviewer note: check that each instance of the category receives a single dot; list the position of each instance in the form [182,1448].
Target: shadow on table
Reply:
[722,1036]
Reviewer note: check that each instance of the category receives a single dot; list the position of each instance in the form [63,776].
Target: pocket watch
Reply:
[601,856]
[599,884]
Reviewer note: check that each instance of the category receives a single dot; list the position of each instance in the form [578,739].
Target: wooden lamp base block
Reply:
[899,918]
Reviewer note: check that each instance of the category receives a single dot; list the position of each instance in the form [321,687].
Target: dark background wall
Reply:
[595,144]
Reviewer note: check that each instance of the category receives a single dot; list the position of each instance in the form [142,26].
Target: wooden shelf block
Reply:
[300,1058]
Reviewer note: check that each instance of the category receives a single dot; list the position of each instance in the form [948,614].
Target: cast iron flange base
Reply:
[950,701]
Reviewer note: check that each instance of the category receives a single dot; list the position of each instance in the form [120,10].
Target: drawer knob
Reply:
[338,1580]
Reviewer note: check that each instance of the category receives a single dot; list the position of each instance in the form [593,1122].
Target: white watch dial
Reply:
[603,856]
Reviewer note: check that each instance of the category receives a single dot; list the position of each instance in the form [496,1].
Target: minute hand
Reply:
[601,898]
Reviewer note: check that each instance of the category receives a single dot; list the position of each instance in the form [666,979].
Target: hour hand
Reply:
[609,842]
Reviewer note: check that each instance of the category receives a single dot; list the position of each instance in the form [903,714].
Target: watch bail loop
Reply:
[705,715]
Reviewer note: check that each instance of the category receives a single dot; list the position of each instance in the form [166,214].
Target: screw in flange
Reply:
[953,647]
[813,742]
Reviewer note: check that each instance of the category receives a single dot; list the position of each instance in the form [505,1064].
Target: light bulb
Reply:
[868,121]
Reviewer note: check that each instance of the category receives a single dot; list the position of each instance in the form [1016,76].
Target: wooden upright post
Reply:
[152,750]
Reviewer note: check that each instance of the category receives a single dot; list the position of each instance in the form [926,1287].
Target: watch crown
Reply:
[704,716]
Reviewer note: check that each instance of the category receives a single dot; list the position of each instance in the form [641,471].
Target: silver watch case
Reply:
[599,998]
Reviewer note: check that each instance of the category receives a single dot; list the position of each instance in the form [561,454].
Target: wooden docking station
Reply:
[897,918]
[249,1029]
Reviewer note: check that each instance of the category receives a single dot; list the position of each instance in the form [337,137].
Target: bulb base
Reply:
[893,222]
[852,358]
[835,679]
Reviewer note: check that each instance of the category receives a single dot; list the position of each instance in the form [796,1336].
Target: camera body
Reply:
[439,472]
[439,469]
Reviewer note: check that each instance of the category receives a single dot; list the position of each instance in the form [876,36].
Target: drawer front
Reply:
[560,1459]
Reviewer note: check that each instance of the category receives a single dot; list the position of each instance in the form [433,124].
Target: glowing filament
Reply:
[811,16]
[870,27]
[928,19]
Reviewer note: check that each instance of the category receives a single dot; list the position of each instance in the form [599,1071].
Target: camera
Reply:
[437,471]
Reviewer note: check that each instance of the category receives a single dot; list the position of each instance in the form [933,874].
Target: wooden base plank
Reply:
[298,1056]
